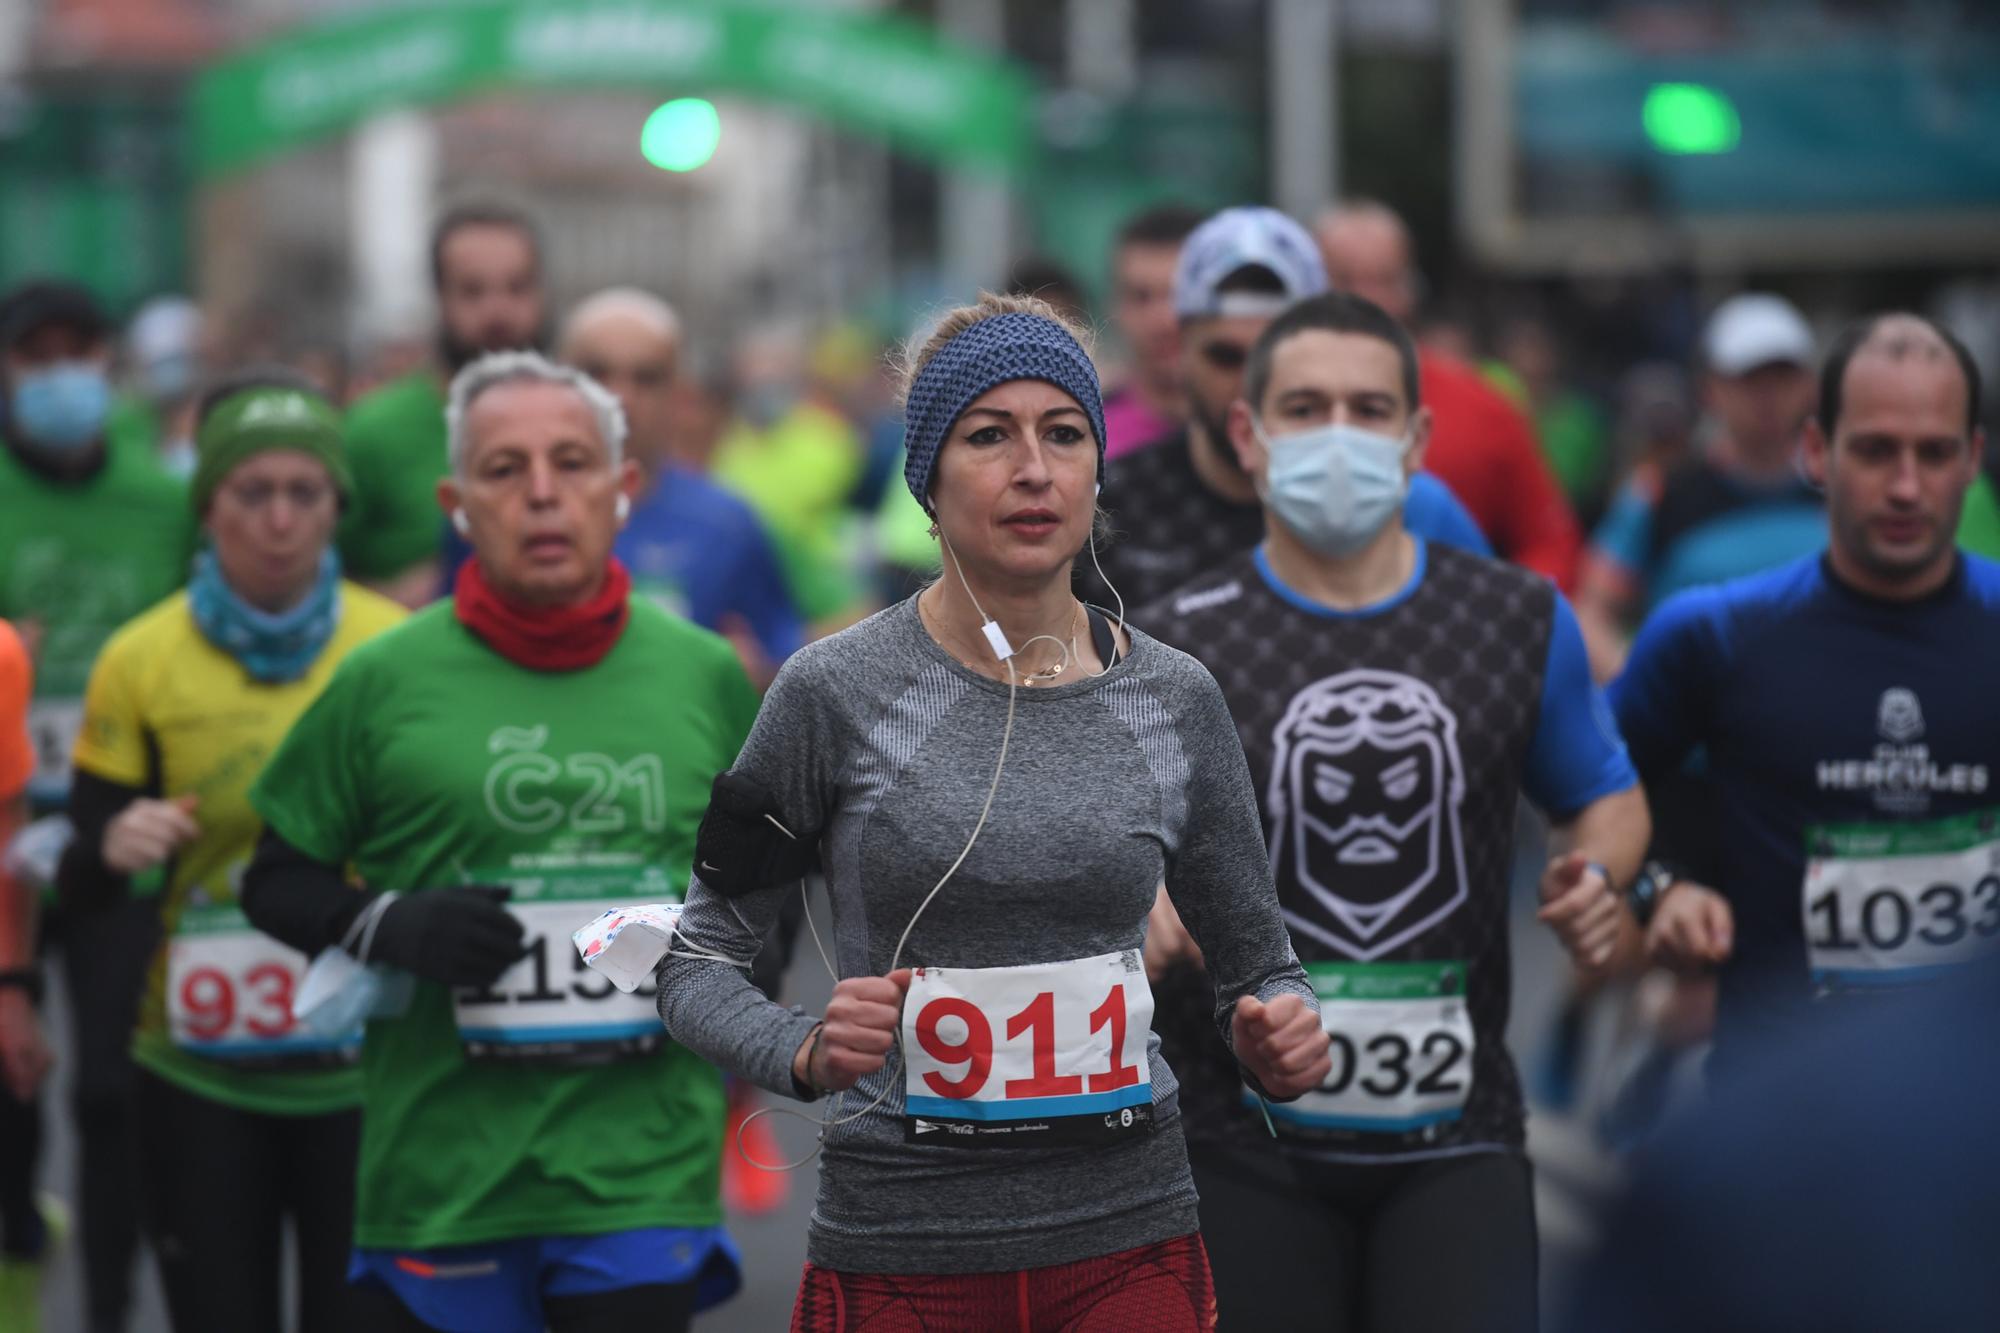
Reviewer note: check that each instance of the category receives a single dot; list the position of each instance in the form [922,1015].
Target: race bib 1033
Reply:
[1028,1056]
[1891,904]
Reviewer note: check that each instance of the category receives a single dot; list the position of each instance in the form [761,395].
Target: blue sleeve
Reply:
[1662,700]
[764,599]
[1625,533]
[1432,512]
[1577,755]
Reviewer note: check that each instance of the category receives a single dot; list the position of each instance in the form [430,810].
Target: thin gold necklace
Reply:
[1031,679]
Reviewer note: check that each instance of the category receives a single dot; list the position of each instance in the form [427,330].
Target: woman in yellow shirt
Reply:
[245,1118]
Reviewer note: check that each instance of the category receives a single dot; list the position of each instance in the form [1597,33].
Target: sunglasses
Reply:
[1225,356]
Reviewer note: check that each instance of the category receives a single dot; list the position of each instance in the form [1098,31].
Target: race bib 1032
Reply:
[1401,1041]
[1891,904]
[1028,1056]
[549,1006]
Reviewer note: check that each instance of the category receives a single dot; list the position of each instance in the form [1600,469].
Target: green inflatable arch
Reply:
[883,76]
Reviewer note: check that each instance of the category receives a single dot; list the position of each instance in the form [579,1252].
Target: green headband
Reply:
[263,418]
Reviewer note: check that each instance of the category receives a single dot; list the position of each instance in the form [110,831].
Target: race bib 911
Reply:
[1028,1056]
[1401,1042]
[549,1007]
[229,995]
[1891,904]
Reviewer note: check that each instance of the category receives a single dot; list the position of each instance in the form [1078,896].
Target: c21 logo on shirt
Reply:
[531,792]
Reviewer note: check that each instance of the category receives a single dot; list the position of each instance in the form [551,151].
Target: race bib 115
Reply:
[549,1006]
[1028,1056]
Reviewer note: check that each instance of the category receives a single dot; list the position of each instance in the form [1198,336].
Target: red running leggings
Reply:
[1161,1288]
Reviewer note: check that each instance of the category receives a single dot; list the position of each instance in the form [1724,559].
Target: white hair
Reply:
[629,301]
[497,368]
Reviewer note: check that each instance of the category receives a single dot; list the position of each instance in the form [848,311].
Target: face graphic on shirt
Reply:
[1365,790]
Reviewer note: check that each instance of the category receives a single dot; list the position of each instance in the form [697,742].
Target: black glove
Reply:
[460,936]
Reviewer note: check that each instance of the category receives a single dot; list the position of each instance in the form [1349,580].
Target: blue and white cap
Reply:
[1236,238]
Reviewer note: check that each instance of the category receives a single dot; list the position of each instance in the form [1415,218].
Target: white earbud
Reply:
[461,522]
[624,506]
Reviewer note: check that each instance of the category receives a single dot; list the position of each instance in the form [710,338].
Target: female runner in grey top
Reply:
[880,745]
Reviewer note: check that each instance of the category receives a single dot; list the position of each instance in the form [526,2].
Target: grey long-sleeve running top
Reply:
[882,746]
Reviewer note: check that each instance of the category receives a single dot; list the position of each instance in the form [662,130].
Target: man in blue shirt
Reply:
[1394,697]
[1849,727]
[689,545]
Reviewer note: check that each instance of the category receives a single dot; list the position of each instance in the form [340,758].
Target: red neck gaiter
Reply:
[544,638]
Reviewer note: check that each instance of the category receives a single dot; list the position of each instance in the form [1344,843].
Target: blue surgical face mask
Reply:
[62,406]
[1337,486]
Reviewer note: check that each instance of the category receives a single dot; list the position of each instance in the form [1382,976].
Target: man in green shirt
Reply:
[497,772]
[92,532]
[486,269]
[1979,525]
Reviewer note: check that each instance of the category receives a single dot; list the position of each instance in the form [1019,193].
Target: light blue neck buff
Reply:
[272,648]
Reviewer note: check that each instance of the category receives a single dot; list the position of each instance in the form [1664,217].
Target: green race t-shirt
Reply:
[77,560]
[432,761]
[396,449]
[1979,522]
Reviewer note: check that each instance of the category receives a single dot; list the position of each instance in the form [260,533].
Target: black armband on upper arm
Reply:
[743,844]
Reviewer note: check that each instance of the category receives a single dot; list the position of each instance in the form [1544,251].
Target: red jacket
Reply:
[1485,450]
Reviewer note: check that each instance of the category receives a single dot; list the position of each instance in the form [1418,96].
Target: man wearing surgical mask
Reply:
[1184,505]
[92,532]
[1395,697]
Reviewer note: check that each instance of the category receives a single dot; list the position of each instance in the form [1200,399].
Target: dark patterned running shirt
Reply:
[1388,747]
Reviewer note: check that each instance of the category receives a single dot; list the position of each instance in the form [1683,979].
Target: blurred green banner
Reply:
[883,76]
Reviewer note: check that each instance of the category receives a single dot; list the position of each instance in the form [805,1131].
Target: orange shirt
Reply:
[17,680]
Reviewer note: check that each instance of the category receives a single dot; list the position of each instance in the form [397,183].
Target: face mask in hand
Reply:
[1335,487]
[62,406]
[339,993]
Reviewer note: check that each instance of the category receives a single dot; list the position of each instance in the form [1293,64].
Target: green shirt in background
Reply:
[77,560]
[431,761]
[1575,439]
[1979,524]
[798,475]
[396,448]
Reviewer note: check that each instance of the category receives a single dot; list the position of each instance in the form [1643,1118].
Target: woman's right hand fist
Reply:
[857,1034]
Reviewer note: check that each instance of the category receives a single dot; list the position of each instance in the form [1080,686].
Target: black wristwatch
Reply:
[28,979]
[1655,878]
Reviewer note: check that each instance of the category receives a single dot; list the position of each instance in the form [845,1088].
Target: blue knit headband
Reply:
[993,351]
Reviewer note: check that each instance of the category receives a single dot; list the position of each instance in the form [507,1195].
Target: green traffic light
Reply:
[681,135]
[1690,118]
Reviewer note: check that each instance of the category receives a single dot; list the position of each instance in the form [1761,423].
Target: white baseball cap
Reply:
[1756,329]
[1239,238]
